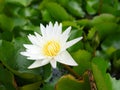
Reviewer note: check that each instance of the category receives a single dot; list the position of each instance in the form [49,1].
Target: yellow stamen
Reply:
[51,48]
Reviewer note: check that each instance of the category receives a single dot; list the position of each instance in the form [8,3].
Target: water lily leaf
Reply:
[106,28]
[11,58]
[46,16]
[29,12]
[91,33]
[105,24]
[83,58]
[6,79]
[89,6]
[104,18]
[63,2]
[103,80]
[99,67]
[2,3]
[84,22]
[31,28]
[33,86]
[115,57]
[107,8]
[115,83]
[2,87]
[75,9]
[57,12]
[7,35]
[6,23]
[68,82]
[22,2]
[70,23]
[18,21]
[111,43]
[48,86]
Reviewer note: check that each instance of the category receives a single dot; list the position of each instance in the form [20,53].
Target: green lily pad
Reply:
[111,43]
[22,2]
[6,80]
[89,7]
[83,58]
[33,86]
[99,67]
[75,9]
[6,23]
[103,80]
[105,24]
[2,4]
[115,83]
[11,59]
[7,35]
[46,16]
[57,12]
[115,57]
[68,82]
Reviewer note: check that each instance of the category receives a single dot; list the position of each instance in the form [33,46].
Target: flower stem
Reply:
[77,76]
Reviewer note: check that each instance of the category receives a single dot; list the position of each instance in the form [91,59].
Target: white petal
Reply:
[53,63]
[34,40]
[60,27]
[39,63]
[33,49]
[32,56]
[39,39]
[37,35]
[65,34]
[57,29]
[50,24]
[28,54]
[24,53]
[43,30]
[49,31]
[33,52]
[36,57]
[56,26]
[63,38]
[49,27]
[72,42]
[66,58]
[53,32]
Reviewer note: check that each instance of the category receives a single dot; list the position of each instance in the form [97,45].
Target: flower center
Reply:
[51,48]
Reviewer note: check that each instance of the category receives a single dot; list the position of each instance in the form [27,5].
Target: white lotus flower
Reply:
[50,47]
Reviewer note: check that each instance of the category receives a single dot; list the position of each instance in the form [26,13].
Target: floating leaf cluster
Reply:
[97,54]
